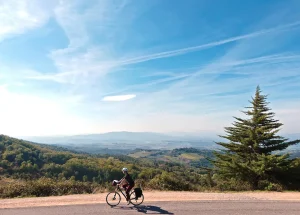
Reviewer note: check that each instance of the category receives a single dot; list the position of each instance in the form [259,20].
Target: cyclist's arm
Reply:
[121,180]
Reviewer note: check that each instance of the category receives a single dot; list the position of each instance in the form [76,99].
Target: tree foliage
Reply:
[250,155]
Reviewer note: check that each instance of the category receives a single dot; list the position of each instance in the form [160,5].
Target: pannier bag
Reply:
[138,192]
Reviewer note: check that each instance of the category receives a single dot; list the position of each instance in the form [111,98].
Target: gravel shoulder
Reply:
[150,196]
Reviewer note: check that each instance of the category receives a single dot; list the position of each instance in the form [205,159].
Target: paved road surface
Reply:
[199,207]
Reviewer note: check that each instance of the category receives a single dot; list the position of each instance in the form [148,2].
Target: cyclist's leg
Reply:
[128,190]
[125,187]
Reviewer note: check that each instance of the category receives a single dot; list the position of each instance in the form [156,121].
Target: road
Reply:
[191,207]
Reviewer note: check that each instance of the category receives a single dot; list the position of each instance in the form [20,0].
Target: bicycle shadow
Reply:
[146,209]
[150,208]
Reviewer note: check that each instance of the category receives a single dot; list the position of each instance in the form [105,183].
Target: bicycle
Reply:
[116,197]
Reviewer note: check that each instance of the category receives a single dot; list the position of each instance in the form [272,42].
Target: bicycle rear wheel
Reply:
[113,198]
[136,201]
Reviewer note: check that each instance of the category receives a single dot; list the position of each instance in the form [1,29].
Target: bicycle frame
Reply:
[119,189]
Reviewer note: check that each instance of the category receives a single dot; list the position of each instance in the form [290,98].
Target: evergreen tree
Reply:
[250,154]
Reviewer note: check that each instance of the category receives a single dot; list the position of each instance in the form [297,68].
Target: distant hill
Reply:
[110,136]
[124,140]
[184,156]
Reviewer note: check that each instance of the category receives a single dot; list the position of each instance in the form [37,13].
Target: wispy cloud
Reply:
[208,45]
[81,59]
[87,63]
[20,16]
[118,98]
[202,92]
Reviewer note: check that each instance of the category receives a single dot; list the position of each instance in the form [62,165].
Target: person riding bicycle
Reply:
[128,182]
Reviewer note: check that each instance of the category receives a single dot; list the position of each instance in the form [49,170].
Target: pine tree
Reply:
[250,156]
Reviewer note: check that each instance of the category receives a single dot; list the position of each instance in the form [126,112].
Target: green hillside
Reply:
[190,157]
[38,170]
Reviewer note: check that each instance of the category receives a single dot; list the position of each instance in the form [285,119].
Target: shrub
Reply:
[270,186]
[168,181]
[232,185]
[46,187]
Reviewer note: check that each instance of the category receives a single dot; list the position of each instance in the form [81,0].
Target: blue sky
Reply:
[75,67]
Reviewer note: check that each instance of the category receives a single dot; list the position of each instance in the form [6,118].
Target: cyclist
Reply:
[128,182]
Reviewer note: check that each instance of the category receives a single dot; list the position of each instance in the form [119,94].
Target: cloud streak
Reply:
[208,45]
[118,98]
[90,65]
[18,17]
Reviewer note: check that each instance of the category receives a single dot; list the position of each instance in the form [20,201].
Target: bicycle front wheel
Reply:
[136,201]
[113,198]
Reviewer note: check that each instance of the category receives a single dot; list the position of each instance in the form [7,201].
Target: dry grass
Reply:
[6,181]
[140,154]
[191,156]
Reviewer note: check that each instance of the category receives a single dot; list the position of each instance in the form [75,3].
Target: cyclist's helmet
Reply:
[125,169]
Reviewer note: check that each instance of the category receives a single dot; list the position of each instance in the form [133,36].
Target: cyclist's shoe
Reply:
[128,200]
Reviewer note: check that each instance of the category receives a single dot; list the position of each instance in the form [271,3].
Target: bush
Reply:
[46,187]
[232,185]
[168,181]
[270,186]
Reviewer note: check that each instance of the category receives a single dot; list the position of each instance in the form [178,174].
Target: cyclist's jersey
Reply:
[129,179]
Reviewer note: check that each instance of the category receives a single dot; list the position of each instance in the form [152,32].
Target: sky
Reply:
[95,66]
